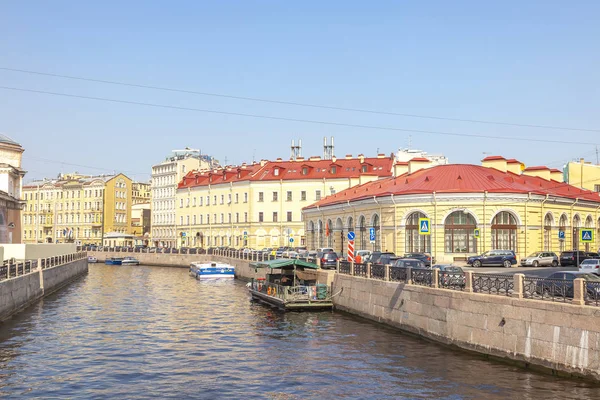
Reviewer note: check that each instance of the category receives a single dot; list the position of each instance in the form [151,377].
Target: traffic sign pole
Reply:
[350,250]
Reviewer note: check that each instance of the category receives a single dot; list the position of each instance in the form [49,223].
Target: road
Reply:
[542,272]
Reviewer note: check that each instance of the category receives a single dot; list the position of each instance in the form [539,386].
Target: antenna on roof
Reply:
[409,143]
[296,151]
[253,155]
[327,149]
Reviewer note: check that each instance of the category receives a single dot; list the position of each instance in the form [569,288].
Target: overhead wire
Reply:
[276,118]
[293,103]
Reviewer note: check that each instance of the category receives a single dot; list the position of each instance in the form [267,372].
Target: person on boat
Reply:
[286,281]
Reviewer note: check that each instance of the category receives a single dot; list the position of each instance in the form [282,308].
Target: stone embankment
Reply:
[22,287]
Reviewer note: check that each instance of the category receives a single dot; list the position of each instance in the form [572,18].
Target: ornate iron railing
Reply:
[399,274]
[3,272]
[452,280]
[547,289]
[344,267]
[592,293]
[360,270]
[493,284]
[421,276]
[378,271]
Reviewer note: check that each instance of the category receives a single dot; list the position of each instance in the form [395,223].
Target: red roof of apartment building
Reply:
[458,178]
[300,169]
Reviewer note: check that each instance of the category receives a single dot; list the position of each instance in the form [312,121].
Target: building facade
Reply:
[76,208]
[140,192]
[165,178]
[405,155]
[11,182]
[259,205]
[583,174]
[468,209]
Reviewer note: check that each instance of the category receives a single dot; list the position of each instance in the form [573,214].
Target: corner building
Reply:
[260,205]
[471,209]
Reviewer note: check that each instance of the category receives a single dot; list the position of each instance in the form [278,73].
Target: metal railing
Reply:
[344,267]
[421,276]
[592,293]
[493,284]
[360,269]
[290,294]
[547,289]
[378,271]
[13,268]
[399,274]
[452,280]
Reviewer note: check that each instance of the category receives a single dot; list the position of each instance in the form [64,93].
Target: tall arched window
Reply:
[339,232]
[350,224]
[576,226]
[548,220]
[562,227]
[415,242]
[329,233]
[311,235]
[459,233]
[504,231]
[375,223]
[320,234]
[362,233]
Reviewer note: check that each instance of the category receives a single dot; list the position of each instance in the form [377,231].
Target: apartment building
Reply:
[11,179]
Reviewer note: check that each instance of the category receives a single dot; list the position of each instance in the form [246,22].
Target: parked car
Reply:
[451,275]
[289,254]
[325,250]
[591,265]
[376,255]
[593,255]
[328,259]
[387,258]
[498,258]
[573,258]
[409,263]
[540,258]
[425,257]
[561,284]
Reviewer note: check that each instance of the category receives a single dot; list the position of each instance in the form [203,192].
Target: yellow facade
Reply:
[76,208]
[583,174]
[140,192]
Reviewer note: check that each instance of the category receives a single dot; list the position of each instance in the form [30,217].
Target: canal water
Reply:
[141,332]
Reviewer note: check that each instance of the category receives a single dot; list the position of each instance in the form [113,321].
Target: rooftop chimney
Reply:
[417,164]
[514,166]
[400,168]
[540,172]
[496,162]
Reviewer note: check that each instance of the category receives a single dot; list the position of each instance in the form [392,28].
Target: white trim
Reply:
[589,216]
[463,209]
[509,210]
[411,211]
[553,224]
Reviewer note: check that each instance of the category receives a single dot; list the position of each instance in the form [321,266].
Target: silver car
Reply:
[540,258]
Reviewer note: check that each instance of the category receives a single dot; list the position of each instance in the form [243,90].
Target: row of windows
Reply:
[332,170]
[163,192]
[72,206]
[87,233]
[261,198]
[200,220]
[66,194]
[68,218]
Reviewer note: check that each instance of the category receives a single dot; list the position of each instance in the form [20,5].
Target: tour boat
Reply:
[92,259]
[130,261]
[211,270]
[113,261]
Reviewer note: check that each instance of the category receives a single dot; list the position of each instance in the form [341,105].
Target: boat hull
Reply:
[212,271]
[113,262]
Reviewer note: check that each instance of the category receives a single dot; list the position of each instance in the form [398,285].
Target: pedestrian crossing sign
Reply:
[476,233]
[424,226]
[587,235]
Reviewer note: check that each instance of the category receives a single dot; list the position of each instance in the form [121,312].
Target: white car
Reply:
[540,258]
[92,259]
[591,265]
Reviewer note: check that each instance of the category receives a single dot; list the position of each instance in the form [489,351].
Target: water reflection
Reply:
[139,332]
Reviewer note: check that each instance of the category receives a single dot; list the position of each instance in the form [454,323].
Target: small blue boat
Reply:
[113,261]
[211,270]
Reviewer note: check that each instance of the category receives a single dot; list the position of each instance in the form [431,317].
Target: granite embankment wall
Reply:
[22,291]
[563,338]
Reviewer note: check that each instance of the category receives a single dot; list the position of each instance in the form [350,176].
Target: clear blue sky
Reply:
[533,62]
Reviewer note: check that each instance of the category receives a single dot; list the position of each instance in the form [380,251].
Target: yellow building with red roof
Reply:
[260,205]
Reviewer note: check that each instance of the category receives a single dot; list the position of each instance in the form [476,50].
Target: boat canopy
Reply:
[284,263]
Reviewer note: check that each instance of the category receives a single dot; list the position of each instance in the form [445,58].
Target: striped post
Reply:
[351,250]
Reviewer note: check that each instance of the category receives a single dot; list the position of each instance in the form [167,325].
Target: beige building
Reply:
[259,205]
[165,178]
[466,209]
[76,208]
[11,181]
[583,174]
[140,192]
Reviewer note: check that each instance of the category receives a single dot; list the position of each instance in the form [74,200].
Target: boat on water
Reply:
[290,285]
[92,259]
[113,261]
[130,261]
[211,270]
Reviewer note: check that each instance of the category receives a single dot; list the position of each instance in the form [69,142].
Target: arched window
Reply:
[350,224]
[415,242]
[459,233]
[377,225]
[562,227]
[339,232]
[504,231]
[329,233]
[576,226]
[362,233]
[311,235]
[589,223]
[548,220]
[320,233]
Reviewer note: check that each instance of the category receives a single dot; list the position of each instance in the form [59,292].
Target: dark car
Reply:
[592,255]
[561,284]
[409,263]
[425,257]
[573,258]
[376,255]
[494,258]
[451,276]
[328,260]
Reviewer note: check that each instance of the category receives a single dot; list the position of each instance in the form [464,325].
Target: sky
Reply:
[533,63]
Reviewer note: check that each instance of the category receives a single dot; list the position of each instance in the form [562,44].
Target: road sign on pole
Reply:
[350,249]
[351,235]
[587,235]
[561,235]
[476,233]
[424,226]
[291,240]
[372,235]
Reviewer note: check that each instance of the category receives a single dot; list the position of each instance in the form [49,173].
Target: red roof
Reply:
[555,170]
[513,161]
[419,159]
[292,170]
[538,168]
[493,158]
[458,178]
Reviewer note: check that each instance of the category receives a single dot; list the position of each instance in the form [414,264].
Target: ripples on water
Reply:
[138,332]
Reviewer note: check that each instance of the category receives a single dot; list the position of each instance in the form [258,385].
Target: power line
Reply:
[85,166]
[298,104]
[330,123]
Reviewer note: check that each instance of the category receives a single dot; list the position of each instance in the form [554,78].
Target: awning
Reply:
[284,263]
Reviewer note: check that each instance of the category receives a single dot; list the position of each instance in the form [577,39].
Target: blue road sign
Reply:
[351,235]
[424,226]
[476,233]
[561,235]
[372,234]
[587,235]
[291,240]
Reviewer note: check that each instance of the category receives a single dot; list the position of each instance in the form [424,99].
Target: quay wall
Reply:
[18,293]
[563,338]
[35,251]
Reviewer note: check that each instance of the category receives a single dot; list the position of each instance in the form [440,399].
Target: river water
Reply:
[140,332]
